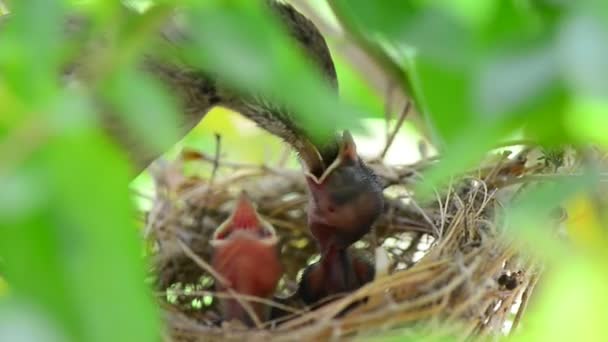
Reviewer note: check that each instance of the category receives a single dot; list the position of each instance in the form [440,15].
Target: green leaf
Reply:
[31,49]
[99,252]
[145,106]
[510,81]
[572,305]
[447,99]
[354,89]
[388,17]
[583,46]
[587,120]
[528,216]
[67,241]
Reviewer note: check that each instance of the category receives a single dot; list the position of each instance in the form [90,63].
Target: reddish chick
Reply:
[344,203]
[245,254]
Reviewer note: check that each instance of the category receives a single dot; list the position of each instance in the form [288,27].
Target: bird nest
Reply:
[445,266]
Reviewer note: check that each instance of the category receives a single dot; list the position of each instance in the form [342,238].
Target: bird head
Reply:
[346,198]
[244,223]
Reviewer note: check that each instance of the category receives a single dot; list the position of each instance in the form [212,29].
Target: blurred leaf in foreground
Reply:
[586,223]
[529,216]
[144,106]
[67,250]
[3,287]
[67,240]
[572,303]
[103,247]
[587,120]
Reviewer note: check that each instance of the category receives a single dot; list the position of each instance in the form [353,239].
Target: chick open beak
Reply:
[347,153]
[245,222]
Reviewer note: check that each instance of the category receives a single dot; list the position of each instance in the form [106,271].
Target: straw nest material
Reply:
[445,266]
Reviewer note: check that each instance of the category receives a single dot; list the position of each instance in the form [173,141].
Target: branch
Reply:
[391,137]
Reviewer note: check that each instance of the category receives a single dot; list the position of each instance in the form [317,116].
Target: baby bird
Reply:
[345,200]
[245,254]
[337,272]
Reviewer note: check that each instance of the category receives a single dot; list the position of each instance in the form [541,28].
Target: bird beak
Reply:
[311,158]
[244,218]
[347,153]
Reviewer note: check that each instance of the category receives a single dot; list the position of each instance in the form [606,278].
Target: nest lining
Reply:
[452,269]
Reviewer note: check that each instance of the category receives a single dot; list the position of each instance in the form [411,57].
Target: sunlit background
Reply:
[476,71]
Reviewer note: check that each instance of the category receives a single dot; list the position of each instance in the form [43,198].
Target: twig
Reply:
[201,263]
[448,197]
[216,159]
[426,218]
[237,165]
[391,138]
[408,253]
[209,185]
[413,229]
[388,100]
[525,298]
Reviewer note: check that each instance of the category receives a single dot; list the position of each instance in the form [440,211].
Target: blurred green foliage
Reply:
[480,71]
[486,68]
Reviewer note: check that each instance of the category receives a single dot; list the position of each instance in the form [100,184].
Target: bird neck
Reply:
[338,267]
